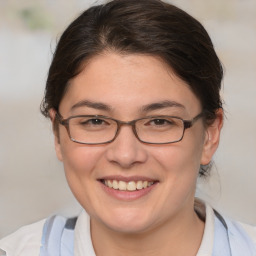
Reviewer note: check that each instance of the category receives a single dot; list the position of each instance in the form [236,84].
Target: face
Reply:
[125,87]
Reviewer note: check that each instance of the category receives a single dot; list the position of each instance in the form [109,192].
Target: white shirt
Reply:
[27,240]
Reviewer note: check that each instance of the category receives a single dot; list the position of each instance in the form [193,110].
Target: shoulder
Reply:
[242,237]
[250,231]
[237,228]
[24,242]
[242,228]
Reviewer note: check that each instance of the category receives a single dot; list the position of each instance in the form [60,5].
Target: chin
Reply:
[128,227]
[128,222]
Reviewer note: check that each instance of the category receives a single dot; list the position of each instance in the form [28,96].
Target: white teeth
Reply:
[115,184]
[139,185]
[150,183]
[122,185]
[130,186]
[145,184]
[109,183]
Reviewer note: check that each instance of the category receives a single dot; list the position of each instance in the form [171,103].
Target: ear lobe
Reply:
[55,129]
[212,138]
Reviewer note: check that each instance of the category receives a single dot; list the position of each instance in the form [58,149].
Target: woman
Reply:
[133,93]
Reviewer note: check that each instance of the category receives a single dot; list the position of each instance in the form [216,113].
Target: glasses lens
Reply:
[160,129]
[91,129]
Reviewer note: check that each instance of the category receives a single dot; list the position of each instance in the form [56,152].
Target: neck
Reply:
[166,238]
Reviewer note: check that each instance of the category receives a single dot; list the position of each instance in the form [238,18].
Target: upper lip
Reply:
[127,178]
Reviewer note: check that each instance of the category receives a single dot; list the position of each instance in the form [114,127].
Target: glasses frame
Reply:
[186,125]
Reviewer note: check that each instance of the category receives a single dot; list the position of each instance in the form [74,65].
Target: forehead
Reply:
[128,81]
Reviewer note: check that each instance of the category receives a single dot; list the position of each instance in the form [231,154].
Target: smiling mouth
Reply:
[128,186]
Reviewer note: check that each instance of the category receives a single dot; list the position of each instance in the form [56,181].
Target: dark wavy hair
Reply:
[149,27]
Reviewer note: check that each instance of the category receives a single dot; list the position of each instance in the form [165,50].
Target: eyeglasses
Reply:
[97,129]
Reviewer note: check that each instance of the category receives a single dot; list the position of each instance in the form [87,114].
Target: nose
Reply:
[126,150]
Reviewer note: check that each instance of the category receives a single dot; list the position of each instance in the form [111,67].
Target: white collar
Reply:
[206,247]
[83,243]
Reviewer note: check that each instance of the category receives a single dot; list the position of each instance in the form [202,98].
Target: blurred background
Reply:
[32,182]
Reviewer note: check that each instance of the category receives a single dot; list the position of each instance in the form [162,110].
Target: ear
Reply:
[55,129]
[212,138]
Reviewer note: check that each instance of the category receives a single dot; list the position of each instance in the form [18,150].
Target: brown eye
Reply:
[160,122]
[95,121]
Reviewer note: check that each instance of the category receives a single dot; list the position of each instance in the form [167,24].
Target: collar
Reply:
[83,243]
[205,212]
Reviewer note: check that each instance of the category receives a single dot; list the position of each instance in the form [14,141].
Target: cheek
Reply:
[181,171]
[77,159]
[80,160]
[79,164]
[179,159]
[180,163]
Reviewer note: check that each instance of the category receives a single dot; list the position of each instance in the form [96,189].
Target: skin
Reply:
[163,220]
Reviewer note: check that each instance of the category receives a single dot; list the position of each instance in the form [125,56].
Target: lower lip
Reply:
[125,195]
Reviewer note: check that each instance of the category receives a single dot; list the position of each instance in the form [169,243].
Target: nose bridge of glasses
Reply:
[126,123]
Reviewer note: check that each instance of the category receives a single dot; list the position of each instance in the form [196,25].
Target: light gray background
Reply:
[32,183]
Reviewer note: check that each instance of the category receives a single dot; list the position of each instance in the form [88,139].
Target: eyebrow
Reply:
[161,105]
[90,104]
[145,108]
